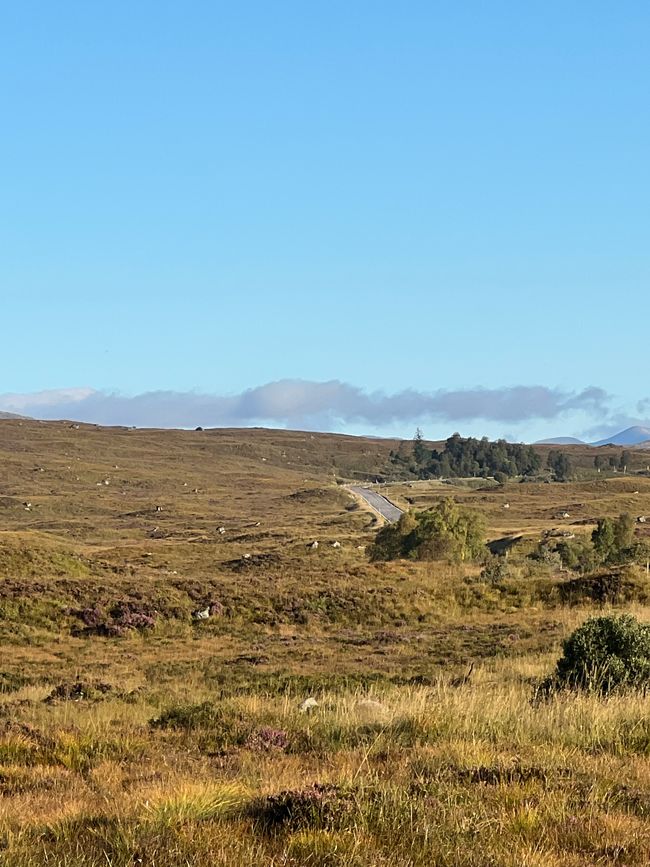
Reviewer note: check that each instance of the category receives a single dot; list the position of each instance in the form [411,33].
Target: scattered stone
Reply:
[308,705]
[203,614]
[336,544]
[221,530]
[313,545]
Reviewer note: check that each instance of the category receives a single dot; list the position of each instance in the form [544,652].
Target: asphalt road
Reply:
[380,504]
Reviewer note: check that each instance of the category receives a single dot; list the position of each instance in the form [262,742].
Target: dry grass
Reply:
[395,766]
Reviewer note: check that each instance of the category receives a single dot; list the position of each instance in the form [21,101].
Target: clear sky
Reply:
[209,197]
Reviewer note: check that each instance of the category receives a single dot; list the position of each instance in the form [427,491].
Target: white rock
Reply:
[308,705]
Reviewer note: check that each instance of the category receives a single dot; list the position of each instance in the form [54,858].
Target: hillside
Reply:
[631,436]
[133,730]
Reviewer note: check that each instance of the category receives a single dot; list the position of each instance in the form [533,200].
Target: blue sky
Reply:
[203,198]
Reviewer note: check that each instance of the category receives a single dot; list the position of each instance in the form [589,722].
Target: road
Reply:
[380,504]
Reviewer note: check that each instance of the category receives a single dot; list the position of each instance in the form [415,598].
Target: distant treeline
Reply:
[469,457]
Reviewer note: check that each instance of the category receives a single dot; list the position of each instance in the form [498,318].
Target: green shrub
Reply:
[187,717]
[447,531]
[496,569]
[606,653]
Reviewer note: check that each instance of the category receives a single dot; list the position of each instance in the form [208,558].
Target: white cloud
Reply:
[47,399]
[299,403]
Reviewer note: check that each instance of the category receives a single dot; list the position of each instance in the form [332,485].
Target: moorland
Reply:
[186,679]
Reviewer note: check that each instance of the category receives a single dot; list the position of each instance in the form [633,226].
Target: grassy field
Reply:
[133,733]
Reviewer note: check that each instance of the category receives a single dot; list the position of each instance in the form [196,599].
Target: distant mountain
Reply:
[560,441]
[11,415]
[631,436]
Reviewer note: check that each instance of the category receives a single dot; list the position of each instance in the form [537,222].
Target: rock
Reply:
[336,544]
[221,530]
[308,705]
[313,545]
[202,614]
[371,710]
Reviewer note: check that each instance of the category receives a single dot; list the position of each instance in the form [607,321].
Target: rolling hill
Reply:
[631,436]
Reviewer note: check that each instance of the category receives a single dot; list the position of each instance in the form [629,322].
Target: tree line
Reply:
[465,457]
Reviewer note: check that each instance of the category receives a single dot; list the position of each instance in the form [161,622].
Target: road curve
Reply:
[377,502]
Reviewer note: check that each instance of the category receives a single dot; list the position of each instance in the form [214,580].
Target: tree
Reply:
[599,462]
[603,538]
[624,461]
[394,541]
[445,532]
[624,529]
[560,464]
[473,457]
[420,451]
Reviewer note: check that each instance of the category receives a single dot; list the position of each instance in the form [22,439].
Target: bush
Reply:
[321,806]
[496,569]
[187,717]
[445,532]
[605,654]
[606,587]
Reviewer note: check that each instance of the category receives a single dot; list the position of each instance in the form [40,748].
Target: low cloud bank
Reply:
[302,404]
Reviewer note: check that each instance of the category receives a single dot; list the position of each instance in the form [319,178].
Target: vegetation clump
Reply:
[321,806]
[606,654]
[612,543]
[445,532]
[187,717]
[268,739]
[121,618]
[78,691]
[464,457]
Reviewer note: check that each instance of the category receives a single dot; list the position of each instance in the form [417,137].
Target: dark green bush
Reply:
[187,717]
[495,570]
[605,654]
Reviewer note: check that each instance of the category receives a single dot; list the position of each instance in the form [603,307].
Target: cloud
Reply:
[19,402]
[302,404]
